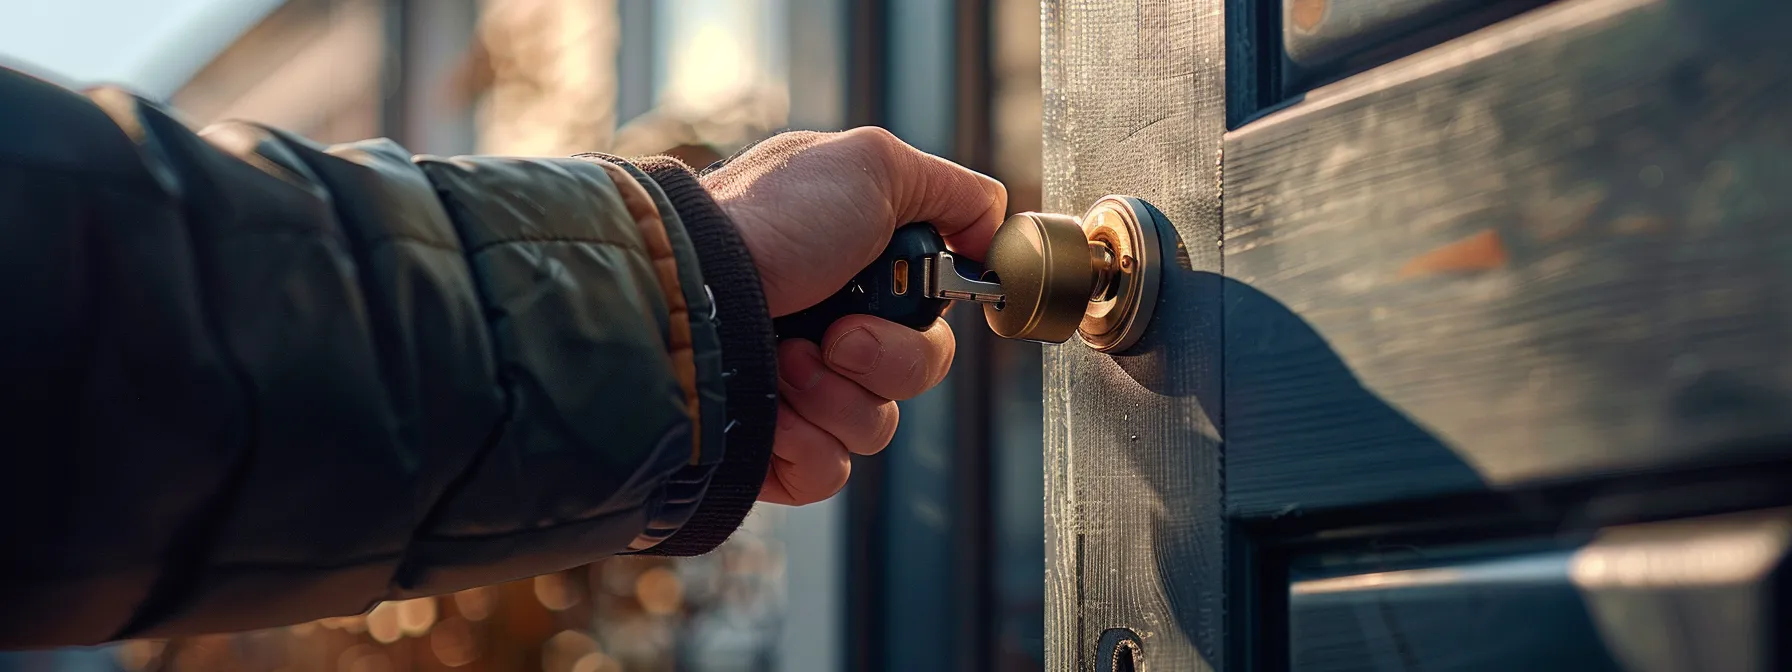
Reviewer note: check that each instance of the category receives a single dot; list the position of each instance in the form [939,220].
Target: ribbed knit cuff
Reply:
[749,356]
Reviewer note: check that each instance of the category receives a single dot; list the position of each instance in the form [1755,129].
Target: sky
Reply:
[152,46]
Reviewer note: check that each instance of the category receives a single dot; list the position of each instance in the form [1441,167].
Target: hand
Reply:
[814,209]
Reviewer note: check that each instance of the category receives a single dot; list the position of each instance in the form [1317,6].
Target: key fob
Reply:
[894,287]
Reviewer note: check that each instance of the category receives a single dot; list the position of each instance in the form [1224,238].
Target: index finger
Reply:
[965,206]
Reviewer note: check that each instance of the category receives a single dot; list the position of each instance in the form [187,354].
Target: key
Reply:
[944,282]
[910,284]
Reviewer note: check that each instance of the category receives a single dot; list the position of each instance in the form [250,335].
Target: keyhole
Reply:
[1120,651]
[990,276]
[1126,658]
[1123,662]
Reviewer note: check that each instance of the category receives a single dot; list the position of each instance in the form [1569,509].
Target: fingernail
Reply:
[857,351]
[801,371]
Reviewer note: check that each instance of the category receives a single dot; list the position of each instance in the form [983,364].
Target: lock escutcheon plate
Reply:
[1129,228]
[1096,277]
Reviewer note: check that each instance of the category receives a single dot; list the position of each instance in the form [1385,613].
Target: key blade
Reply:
[944,282]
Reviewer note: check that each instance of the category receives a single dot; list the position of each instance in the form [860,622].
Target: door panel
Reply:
[1483,312]
[1554,249]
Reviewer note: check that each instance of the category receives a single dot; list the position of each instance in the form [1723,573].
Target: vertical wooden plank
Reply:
[1135,104]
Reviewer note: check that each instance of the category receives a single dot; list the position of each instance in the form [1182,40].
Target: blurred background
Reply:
[931,560]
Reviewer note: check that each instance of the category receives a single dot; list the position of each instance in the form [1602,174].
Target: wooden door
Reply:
[1478,356]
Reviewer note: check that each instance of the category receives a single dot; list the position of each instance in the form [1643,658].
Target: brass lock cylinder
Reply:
[1096,277]
[1042,261]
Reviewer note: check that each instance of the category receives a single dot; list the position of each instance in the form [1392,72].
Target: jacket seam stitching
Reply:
[402,567]
[394,239]
[658,496]
[205,522]
[482,247]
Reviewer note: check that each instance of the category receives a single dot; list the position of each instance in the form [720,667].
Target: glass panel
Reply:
[1018,465]
[920,507]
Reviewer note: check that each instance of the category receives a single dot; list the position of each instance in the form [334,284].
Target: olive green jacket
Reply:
[250,380]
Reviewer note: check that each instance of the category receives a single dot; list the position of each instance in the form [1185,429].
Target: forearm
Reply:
[260,381]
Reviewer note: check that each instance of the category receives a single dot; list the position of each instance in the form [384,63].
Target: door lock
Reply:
[1049,277]
[1096,277]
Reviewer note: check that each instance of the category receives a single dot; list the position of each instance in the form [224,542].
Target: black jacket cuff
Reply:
[749,357]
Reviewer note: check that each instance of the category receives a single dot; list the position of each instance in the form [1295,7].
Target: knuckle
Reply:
[922,362]
[835,479]
[857,415]
[783,144]
[874,134]
[876,140]
[868,426]
[917,378]
[805,492]
[821,473]
[948,352]
[885,421]
[801,138]
[930,369]
[892,418]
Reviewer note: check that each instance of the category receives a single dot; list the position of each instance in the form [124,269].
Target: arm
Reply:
[252,381]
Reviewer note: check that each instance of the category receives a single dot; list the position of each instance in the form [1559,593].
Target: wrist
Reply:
[749,357]
[749,224]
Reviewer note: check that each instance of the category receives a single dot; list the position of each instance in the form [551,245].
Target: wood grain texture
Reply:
[1557,248]
[1134,104]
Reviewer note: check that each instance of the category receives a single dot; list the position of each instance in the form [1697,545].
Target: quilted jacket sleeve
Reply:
[252,381]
